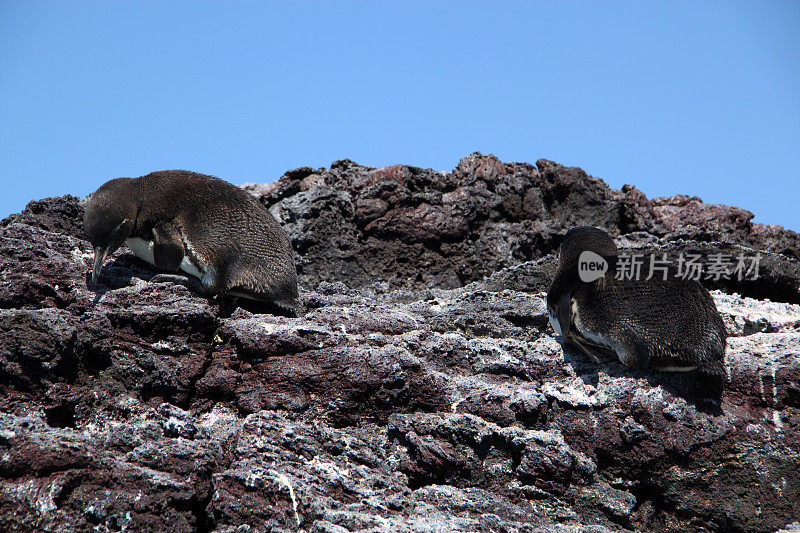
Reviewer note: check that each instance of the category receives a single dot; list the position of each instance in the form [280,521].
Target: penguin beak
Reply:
[100,254]
[119,235]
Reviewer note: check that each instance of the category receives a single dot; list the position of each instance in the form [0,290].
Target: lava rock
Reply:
[422,389]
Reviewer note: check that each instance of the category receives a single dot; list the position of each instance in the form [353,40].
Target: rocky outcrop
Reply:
[416,228]
[421,390]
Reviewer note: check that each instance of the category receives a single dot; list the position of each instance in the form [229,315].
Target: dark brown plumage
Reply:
[670,325]
[207,227]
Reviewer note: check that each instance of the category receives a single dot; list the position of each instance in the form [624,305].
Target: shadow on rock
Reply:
[119,273]
[229,305]
[701,390]
[124,269]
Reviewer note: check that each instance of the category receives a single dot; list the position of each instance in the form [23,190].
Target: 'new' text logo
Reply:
[591,266]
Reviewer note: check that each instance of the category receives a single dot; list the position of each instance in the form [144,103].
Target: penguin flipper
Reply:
[168,249]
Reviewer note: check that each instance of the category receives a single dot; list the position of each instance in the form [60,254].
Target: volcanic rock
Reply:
[421,390]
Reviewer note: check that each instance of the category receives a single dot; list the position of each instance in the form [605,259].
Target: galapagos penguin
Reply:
[202,225]
[667,325]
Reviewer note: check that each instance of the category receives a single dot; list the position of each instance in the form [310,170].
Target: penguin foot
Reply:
[591,355]
[190,283]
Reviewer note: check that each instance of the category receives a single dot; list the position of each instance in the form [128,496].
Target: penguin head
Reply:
[583,239]
[109,220]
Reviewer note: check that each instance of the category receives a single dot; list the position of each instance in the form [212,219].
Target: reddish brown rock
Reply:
[691,216]
[412,395]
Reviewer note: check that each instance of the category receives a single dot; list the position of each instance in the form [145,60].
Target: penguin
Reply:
[668,325]
[208,228]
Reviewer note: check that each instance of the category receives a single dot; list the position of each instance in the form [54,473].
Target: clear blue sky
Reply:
[676,97]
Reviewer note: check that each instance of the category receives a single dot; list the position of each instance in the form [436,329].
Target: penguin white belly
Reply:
[245,296]
[189,267]
[551,313]
[144,250]
[676,368]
